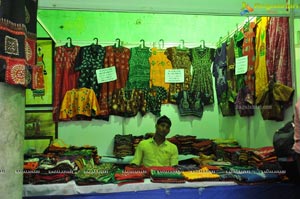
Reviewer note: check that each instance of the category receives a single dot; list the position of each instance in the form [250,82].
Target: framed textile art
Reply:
[39,123]
[41,91]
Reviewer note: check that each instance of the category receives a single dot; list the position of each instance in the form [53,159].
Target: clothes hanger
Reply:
[181,45]
[161,45]
[69,44]
[202,45]
[142,43]
[96,41]
[118,43]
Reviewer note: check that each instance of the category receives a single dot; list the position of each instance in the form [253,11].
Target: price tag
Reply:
[241,65]
[174,75]
[106,74]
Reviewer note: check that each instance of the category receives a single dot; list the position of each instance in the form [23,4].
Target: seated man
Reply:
[157,151]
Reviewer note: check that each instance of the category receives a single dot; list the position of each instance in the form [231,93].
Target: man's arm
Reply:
[138,155]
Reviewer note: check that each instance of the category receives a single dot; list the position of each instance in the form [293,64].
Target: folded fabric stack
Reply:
[123,145]
[96,174]
[203,174]
[223,148]
[166,176]
[263,157]
[204,146]
[60,172]
[183,143]
[125,177]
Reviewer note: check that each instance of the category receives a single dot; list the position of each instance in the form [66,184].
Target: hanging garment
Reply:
[238,52]
[230,74]
[274,100]
[244,102]
[278,51]
[261,76]
[158,64]
[118,58]
[219,71]
[202,81]
[248,50]
[77,103]
[65,75]
[128,103]
[180,59]
[154,97]
[17,40]
[190,104]
[90,59]
[139,68]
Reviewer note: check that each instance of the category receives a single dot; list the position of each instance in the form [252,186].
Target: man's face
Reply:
[163,129]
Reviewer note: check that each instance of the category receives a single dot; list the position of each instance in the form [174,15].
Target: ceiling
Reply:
[211,7]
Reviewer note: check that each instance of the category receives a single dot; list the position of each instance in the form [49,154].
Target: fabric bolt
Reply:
[274,100]
[128,103]
[65,75]
[261,74]
[139,68]
[278,58]
[90,59]
[118,58]
[190,103]
[180,59]
[165,154]
[159,62]
[154,97]
[202,81]
[79,102]
[249,51]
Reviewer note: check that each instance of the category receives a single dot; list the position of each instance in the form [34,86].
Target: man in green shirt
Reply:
[157,151]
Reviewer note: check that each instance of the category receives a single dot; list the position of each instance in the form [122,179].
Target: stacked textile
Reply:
[204,146]
[203,174]
[263,157]
[224,147]
[183,143]
[123,145]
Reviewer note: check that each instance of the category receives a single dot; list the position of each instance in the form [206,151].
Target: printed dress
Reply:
[180,59]
[118,58]
[139,68]
[202,81]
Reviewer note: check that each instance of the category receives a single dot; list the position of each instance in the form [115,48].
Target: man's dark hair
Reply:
[164,119]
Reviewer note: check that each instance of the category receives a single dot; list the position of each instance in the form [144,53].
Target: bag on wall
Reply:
[283,140]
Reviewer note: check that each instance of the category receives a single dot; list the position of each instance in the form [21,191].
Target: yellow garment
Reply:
[201,174]
[82,101]
[148,153]
[261,76]
[158,64]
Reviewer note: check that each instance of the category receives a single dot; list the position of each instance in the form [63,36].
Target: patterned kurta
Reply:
[139,68]
[261,76]
[65,75]
[278,51]
[202,81]
[91,59]
[119,58]
[180,59]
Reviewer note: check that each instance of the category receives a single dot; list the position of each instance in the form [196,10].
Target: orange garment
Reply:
[82,101]
[261,75]
[158,64]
